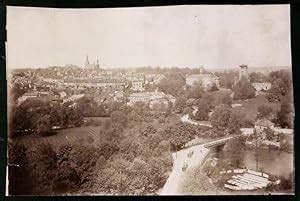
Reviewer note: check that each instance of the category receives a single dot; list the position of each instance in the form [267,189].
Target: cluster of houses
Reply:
[206,80]
[152,98]
[116,82]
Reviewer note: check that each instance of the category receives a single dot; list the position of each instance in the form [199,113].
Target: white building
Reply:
[26,96]
[73,98]
[263,86]
[262,124]
[207,80]
[119,96]
[151,98]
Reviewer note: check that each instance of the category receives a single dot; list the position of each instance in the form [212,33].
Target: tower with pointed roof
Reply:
[87,63]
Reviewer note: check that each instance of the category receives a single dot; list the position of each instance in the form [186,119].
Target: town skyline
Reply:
[257,36]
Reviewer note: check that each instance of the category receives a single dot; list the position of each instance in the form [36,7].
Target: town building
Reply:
[262,124]
[73,98]
[207,80]
[119,96]
[88,65]
[27,95]
[243,72]
[154,78]
[263,86]
[151,98]
[62,94]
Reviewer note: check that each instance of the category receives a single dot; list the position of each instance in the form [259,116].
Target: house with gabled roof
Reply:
[262,124]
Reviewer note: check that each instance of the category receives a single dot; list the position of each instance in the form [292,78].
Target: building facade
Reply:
[243,71]
[207,80]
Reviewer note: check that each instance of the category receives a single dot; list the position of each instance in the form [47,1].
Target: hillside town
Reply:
[158,100]
[207,105]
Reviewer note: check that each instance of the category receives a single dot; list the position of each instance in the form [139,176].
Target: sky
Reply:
[183,36]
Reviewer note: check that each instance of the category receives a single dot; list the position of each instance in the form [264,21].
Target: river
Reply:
[274,162]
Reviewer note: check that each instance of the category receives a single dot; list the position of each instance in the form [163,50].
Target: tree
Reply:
[285,115]
[283,79]
[220,117]
[222,97]
[20,182]
[209,99]
[264,111]
[44,169]
[270,134]
[227,78]
[43,125]
[234,157]
[274,94]
[202,113]
[236,121]
[243,90]
[195,91]
[257,77]
[172,83]
[180,104]
[119,117]
[257,139]
[71,116]
[214,88]
[87,106]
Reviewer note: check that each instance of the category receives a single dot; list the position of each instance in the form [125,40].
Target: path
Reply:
[181,158]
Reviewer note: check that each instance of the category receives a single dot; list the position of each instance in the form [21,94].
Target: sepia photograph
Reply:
[162,100]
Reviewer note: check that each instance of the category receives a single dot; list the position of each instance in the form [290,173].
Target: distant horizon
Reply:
[186,35]
[154,67]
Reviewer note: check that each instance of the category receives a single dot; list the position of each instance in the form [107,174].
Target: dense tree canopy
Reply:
[172,84]
[220,117]
[243,90]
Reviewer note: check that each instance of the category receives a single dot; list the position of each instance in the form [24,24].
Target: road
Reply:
[181,158]
[186,119]
[245,131]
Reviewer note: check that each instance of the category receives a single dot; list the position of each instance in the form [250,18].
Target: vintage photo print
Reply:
[172,100]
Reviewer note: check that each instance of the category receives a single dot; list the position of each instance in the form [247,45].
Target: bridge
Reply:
[218,142]
[210,144]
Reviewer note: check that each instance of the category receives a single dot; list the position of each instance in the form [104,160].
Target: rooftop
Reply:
[264,122]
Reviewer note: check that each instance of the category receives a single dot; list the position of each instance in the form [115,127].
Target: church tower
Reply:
[97,65]
[87,63]
[243,71]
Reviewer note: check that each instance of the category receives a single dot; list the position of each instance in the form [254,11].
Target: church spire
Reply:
[87,61]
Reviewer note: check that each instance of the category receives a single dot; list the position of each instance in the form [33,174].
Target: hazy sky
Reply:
[184,36]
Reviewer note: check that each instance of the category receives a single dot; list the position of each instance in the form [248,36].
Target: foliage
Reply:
[196,91]
[258,77]
[220,117]
[195,182]
[274,94]
[243,90]
[285,115]
[270,134]
[227,79]
[119,117]
[43,125]
[214,88]
[202,113]
[180,104]
[232,156]
[172,83]
[20,182]
[281,85]
[264,111]
[222,97]
[236,121]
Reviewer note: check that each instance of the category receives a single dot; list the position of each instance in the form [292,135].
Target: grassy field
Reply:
[249,107]
[65,136]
